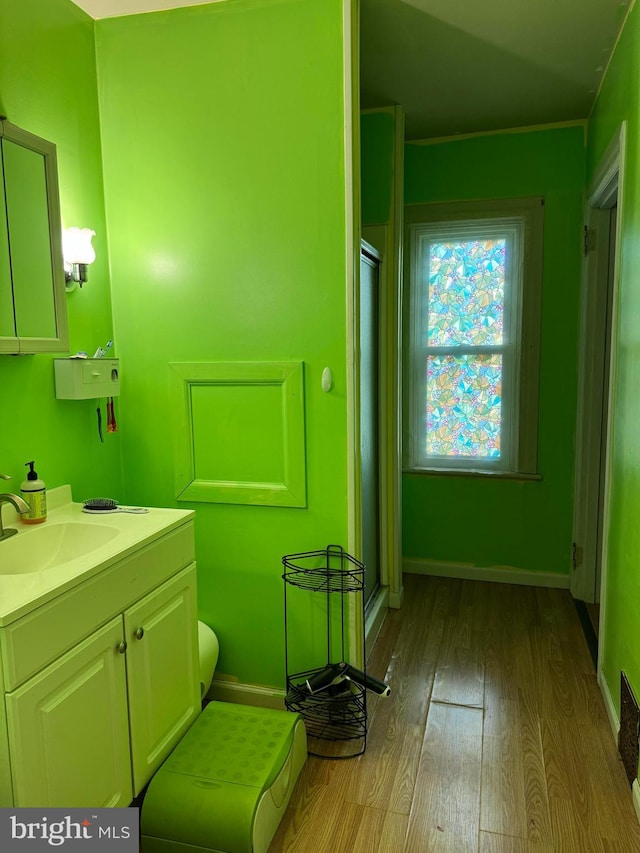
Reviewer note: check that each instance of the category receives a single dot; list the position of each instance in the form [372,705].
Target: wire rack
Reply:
[339,712]
[328,570]
[330,716]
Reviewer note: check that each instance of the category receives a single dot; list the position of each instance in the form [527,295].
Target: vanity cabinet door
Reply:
[68,728]
[163,671]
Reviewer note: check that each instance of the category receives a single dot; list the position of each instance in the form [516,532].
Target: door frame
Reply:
[387,239]
[368,250]
[606,186]
[391,593]
[376,237]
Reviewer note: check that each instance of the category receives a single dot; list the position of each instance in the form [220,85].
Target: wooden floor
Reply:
[495,738]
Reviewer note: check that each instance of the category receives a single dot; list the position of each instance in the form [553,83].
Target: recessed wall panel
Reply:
[238,432]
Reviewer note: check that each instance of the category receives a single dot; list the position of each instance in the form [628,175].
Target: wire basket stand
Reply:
[337,712]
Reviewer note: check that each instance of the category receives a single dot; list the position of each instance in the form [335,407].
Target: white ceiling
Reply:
[461,66]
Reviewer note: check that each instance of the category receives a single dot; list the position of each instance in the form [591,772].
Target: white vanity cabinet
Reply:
[102,681]
[68,728]
[163,676]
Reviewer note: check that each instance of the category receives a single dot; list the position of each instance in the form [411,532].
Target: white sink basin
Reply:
[42,561]
[52,544]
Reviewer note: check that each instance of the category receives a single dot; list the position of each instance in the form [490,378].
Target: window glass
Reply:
[465,302]
[463,406]
[468,385]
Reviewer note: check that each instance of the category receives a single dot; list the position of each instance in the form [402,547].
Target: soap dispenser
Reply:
[34,494]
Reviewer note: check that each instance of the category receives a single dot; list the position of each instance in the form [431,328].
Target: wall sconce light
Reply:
[78,254]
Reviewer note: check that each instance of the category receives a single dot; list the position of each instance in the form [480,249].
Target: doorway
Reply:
[598,326]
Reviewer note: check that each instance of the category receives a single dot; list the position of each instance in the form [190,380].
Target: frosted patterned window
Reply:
[464,405]
[466,285]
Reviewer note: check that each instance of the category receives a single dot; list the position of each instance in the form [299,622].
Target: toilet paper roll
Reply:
[208,649]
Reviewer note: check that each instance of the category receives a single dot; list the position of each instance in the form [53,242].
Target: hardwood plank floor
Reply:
[495,738]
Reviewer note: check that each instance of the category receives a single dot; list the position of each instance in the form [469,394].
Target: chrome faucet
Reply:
[20,505]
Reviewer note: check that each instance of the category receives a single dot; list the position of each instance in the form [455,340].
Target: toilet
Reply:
[227,784]
[208,651]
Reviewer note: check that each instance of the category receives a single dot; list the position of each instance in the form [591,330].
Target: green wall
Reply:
[491,522]
[618,101]
[48,86]
[225,191]
[377,140]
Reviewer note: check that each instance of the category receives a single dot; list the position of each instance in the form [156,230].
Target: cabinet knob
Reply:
[138,633]
[122,647]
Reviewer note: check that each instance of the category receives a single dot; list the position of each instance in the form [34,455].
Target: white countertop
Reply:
[21,593]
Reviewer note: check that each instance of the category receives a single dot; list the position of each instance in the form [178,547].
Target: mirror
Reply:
[32,293]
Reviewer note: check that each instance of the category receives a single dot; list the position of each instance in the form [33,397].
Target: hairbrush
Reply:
[103,505]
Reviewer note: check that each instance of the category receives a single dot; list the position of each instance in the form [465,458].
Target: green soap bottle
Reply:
[34,493]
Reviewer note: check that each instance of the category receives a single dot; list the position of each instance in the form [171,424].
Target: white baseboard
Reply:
[246,694]
[612,714]
[396,599]
[635,789]
[375,616]
[614,721]
[495,574]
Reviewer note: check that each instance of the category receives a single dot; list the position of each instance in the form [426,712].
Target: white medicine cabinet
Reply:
[33,315]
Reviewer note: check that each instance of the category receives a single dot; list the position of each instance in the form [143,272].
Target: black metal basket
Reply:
[338,714]
[328,570]
[339,711]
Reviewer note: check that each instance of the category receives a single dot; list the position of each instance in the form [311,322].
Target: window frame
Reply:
[522,381]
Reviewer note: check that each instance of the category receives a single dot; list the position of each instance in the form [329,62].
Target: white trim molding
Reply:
[606,510]
[351,148]
[99,9]
[387,238]
[198,396]
[635,789]
[375,617]
[596,380]
[520,223]
[614,722]
[612,714]
[493,574]
[246,694]
[396,599]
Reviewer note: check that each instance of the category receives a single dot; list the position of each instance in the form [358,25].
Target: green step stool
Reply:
[226,785]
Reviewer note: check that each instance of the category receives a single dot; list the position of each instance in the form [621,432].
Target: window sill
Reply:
[462,472]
